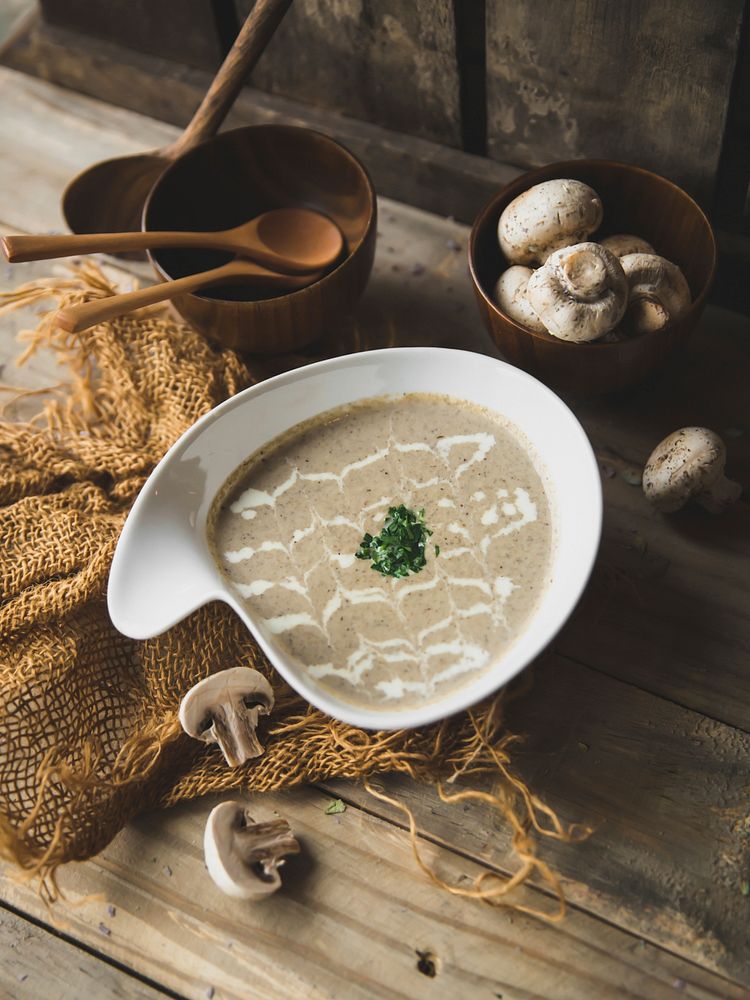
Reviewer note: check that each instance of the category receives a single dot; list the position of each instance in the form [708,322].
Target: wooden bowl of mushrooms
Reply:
[590,274]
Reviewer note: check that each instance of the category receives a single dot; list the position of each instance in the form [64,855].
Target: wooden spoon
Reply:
[109,196]
[291,240]
[80,317]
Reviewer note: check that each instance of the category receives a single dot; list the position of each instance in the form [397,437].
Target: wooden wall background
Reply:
[448,96]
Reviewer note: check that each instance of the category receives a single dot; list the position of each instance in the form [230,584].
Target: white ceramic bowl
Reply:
[163,569]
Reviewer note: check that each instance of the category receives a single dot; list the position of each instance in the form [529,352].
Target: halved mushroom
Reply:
[510,295]
[580,293]
[623,243]
[689,464]
[658,291]
[548,216]
[225,708]
[243,857]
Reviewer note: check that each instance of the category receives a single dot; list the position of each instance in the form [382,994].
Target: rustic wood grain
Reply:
[664,789]
[182,30]
[392,62]
[354,919]
[423,173]
[636,81]
[37,963]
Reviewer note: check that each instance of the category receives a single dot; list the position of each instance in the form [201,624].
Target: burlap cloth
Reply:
[89,734]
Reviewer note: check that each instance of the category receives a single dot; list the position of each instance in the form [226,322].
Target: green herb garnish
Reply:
[399,548]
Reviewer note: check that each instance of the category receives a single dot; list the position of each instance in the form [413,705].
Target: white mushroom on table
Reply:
[619,290]
[689,465]
[243,857]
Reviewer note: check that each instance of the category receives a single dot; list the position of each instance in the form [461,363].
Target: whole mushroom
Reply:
[689,465]
[510,295]
[548,216]
[580,293]
[624,243]
[225,708]
[243,857]
[658,291]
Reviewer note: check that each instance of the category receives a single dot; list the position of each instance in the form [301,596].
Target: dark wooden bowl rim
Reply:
[371,197]
[530,178]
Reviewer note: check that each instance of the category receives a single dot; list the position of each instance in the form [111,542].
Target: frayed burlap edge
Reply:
[81,407]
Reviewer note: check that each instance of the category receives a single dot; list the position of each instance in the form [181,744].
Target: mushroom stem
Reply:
[646,313]
[263,846]
[722,494]
[235,732]
[584,275]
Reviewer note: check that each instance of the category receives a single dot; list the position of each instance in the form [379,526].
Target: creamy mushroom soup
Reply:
[287,528]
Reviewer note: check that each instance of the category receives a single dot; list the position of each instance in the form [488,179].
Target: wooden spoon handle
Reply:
[22,248]
[81,317]
[248,46]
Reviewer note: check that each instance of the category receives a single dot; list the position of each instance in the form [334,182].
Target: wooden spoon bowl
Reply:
[236,176]
[635,201]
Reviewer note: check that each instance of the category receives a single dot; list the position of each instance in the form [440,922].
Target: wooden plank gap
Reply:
[227,23]
[49,928]
[469,27]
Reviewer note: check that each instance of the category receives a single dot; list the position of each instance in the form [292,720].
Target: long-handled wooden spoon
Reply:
[80,317]
[290,240]
[109,196]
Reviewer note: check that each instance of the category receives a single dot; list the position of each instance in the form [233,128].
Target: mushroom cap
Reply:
[510,295]
[548,216]
[658,291]
[683,465]
[580,293]
[224,708]
[243,857]
[623,243]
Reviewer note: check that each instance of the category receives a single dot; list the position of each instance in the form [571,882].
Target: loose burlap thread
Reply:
[89,733]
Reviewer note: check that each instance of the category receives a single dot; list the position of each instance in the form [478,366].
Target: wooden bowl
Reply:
[635,201]
[235,176]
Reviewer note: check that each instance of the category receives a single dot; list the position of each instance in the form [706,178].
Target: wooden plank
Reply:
[37,963]
[664,789]
[636,81]
[182,30]
[434,306]
[354,919]
[392,62]
[415,170]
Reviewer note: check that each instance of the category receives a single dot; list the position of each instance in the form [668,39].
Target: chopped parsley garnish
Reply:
[399,548]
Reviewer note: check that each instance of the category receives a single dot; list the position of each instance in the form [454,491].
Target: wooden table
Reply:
[638,721]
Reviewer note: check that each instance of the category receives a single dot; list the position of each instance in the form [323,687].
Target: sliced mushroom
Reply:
[580,293]
[243,857]
[658,291]
[689,464]
[548,216]
[624,243]
[225,708]
[510,295]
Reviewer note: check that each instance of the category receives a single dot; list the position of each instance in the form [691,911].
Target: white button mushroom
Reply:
[243,857]
[548,216]
[623,243]
[689,464]
[658,291]
[580,293]
[224,708]
[510,295]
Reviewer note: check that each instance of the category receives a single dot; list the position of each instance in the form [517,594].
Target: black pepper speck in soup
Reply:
[286,526]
